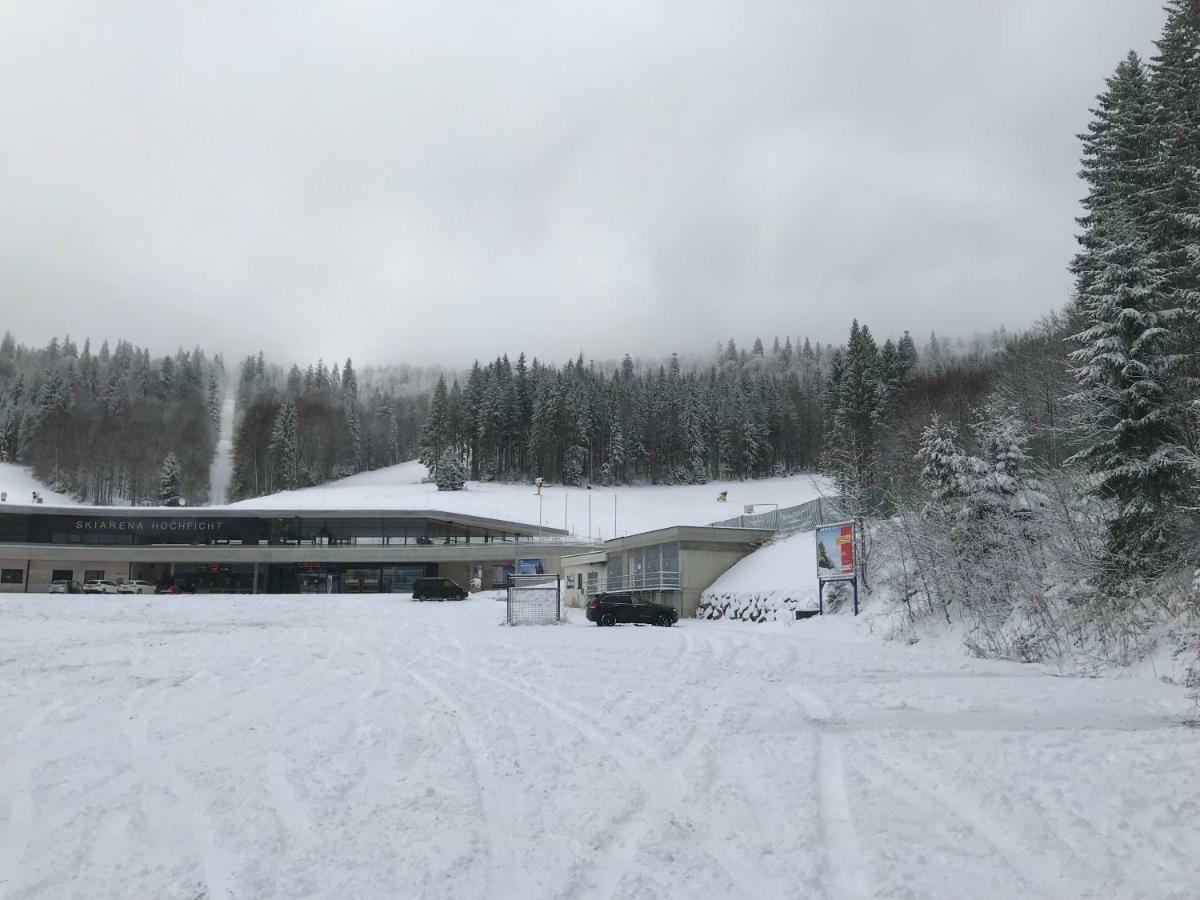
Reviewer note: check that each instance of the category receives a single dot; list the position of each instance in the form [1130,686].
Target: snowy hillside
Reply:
[780,576]
[637,508]
[18,482]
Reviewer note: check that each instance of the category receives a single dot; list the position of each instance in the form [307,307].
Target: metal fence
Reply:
[534,599]
[790,519]
[642,581]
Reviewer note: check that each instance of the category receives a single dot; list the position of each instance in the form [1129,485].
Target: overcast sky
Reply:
[431,182]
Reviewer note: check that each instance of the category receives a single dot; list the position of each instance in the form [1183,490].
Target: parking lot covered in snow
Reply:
[371,747]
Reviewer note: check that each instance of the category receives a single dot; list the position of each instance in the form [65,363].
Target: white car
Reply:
[100,586]
[137,586]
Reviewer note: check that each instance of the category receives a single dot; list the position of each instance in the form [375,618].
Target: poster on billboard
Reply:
[835,551]
[531,566]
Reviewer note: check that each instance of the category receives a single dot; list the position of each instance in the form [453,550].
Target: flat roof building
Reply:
[211,549]
[668,565]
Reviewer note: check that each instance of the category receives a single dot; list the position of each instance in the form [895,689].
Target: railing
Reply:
[790,519]
[642,581]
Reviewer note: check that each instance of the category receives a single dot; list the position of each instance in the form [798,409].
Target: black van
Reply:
[437,589]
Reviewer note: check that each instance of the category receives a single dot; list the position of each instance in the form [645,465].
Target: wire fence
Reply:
[790,519]
[534,599]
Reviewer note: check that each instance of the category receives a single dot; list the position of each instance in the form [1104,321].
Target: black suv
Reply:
[437,589]
[611,609]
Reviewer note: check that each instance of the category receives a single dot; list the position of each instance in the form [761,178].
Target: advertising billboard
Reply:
[835,551]
[531,566]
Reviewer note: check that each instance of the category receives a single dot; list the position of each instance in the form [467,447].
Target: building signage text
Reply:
[148,525]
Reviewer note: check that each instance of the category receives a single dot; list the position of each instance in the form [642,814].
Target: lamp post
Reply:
[538,484]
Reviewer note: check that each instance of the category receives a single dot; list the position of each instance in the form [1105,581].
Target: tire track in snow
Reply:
[938,799]
[847,878]
[663,788]
[19,769]
[293,816]
[153,767]
[491,794]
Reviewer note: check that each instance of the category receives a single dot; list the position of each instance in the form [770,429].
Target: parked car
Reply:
[621,608]
[100,586]
[64,587]
[136,586]
[438,589]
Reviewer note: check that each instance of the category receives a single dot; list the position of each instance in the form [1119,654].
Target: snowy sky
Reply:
[430,182]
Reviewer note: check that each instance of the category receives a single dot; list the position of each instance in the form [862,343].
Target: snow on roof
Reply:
[599,512]
[636,508]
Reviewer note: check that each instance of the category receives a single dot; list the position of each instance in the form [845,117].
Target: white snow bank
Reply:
[18,482]
[769,584]
[637,508]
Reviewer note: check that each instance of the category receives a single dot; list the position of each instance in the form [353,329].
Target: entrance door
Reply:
[316,584]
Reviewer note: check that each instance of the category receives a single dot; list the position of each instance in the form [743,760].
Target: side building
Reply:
[224,550]
[669,565]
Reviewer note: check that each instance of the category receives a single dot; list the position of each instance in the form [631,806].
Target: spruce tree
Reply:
[449,474]
[433,435]
[168,481]
[1174,194]
[1125,366]
[284,448]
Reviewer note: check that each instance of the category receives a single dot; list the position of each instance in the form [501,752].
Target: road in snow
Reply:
[374,747]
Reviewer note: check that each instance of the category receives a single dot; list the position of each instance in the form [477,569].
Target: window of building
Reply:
[62,575]
[93,574]
[614,573]
[12,576]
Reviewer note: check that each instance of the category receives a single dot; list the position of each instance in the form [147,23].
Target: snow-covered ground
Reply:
[638,508]
[221,747]
[19,484]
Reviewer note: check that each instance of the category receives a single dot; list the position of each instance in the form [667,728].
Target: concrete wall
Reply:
[8,563]
[699,567]
[41,572]
[577,596]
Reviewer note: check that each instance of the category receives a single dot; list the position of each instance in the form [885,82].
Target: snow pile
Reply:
[19,483]
[637,508]
[771,583]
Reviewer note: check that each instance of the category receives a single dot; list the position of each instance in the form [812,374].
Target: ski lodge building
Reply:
[214,549]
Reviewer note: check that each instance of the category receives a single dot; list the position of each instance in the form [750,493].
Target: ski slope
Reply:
[637,508]
[18,482]
[226,747]
[598,512]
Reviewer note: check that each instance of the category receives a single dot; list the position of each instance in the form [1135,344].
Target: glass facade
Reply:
[207,529]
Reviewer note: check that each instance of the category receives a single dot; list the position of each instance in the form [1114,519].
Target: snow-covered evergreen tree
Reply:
[433,436]
[943,464]
[168,481]
[1131,416]
[284,448]
[450,474]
